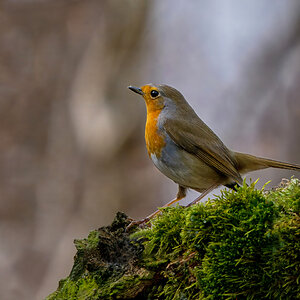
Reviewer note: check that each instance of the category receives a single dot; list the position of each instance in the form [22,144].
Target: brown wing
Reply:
[195,137]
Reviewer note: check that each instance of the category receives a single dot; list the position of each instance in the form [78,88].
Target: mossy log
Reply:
[240,245]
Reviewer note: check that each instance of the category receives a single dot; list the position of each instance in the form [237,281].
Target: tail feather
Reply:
[247,163]
[281,165]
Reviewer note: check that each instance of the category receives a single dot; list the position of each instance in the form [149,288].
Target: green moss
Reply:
[164,235]
[87,289]
[286,196]
[284,265]
[240,245]
[105,266]
[234,256]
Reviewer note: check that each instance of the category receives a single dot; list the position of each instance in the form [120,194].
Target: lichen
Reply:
[239,245]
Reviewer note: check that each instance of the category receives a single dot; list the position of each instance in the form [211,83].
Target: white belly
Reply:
[185,168]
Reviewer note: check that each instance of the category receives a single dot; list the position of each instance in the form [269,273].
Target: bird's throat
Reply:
[155,141]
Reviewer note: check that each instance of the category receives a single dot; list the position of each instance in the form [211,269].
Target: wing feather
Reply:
[198,139]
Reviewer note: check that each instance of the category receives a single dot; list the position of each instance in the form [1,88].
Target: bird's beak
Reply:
[136,90]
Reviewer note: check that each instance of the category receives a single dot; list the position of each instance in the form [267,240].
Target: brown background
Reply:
[72,152]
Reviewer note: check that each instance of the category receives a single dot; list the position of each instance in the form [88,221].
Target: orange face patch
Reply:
[154,140]
[151,102]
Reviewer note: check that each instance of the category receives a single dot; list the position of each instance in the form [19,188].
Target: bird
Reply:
[187,151]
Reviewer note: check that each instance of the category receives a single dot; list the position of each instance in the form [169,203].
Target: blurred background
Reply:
[72,134]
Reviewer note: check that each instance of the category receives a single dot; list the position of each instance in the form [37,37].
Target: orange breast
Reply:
[155,142]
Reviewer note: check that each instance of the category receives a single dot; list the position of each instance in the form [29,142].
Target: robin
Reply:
[187,151]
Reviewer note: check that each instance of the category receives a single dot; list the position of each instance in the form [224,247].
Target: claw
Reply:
[140,223]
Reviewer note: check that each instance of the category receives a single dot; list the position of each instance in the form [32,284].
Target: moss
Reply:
[105,266]
[240,245]
[164,235]
[239,240]
[284,265]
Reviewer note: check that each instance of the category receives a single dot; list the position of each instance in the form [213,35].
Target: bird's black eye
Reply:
[154,93]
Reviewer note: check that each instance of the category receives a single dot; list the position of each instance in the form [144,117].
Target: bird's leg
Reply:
[180,195]
[203,194]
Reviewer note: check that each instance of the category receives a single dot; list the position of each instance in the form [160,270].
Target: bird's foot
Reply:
[141,223]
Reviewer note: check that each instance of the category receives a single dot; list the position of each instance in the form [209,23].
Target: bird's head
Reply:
[159,96]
